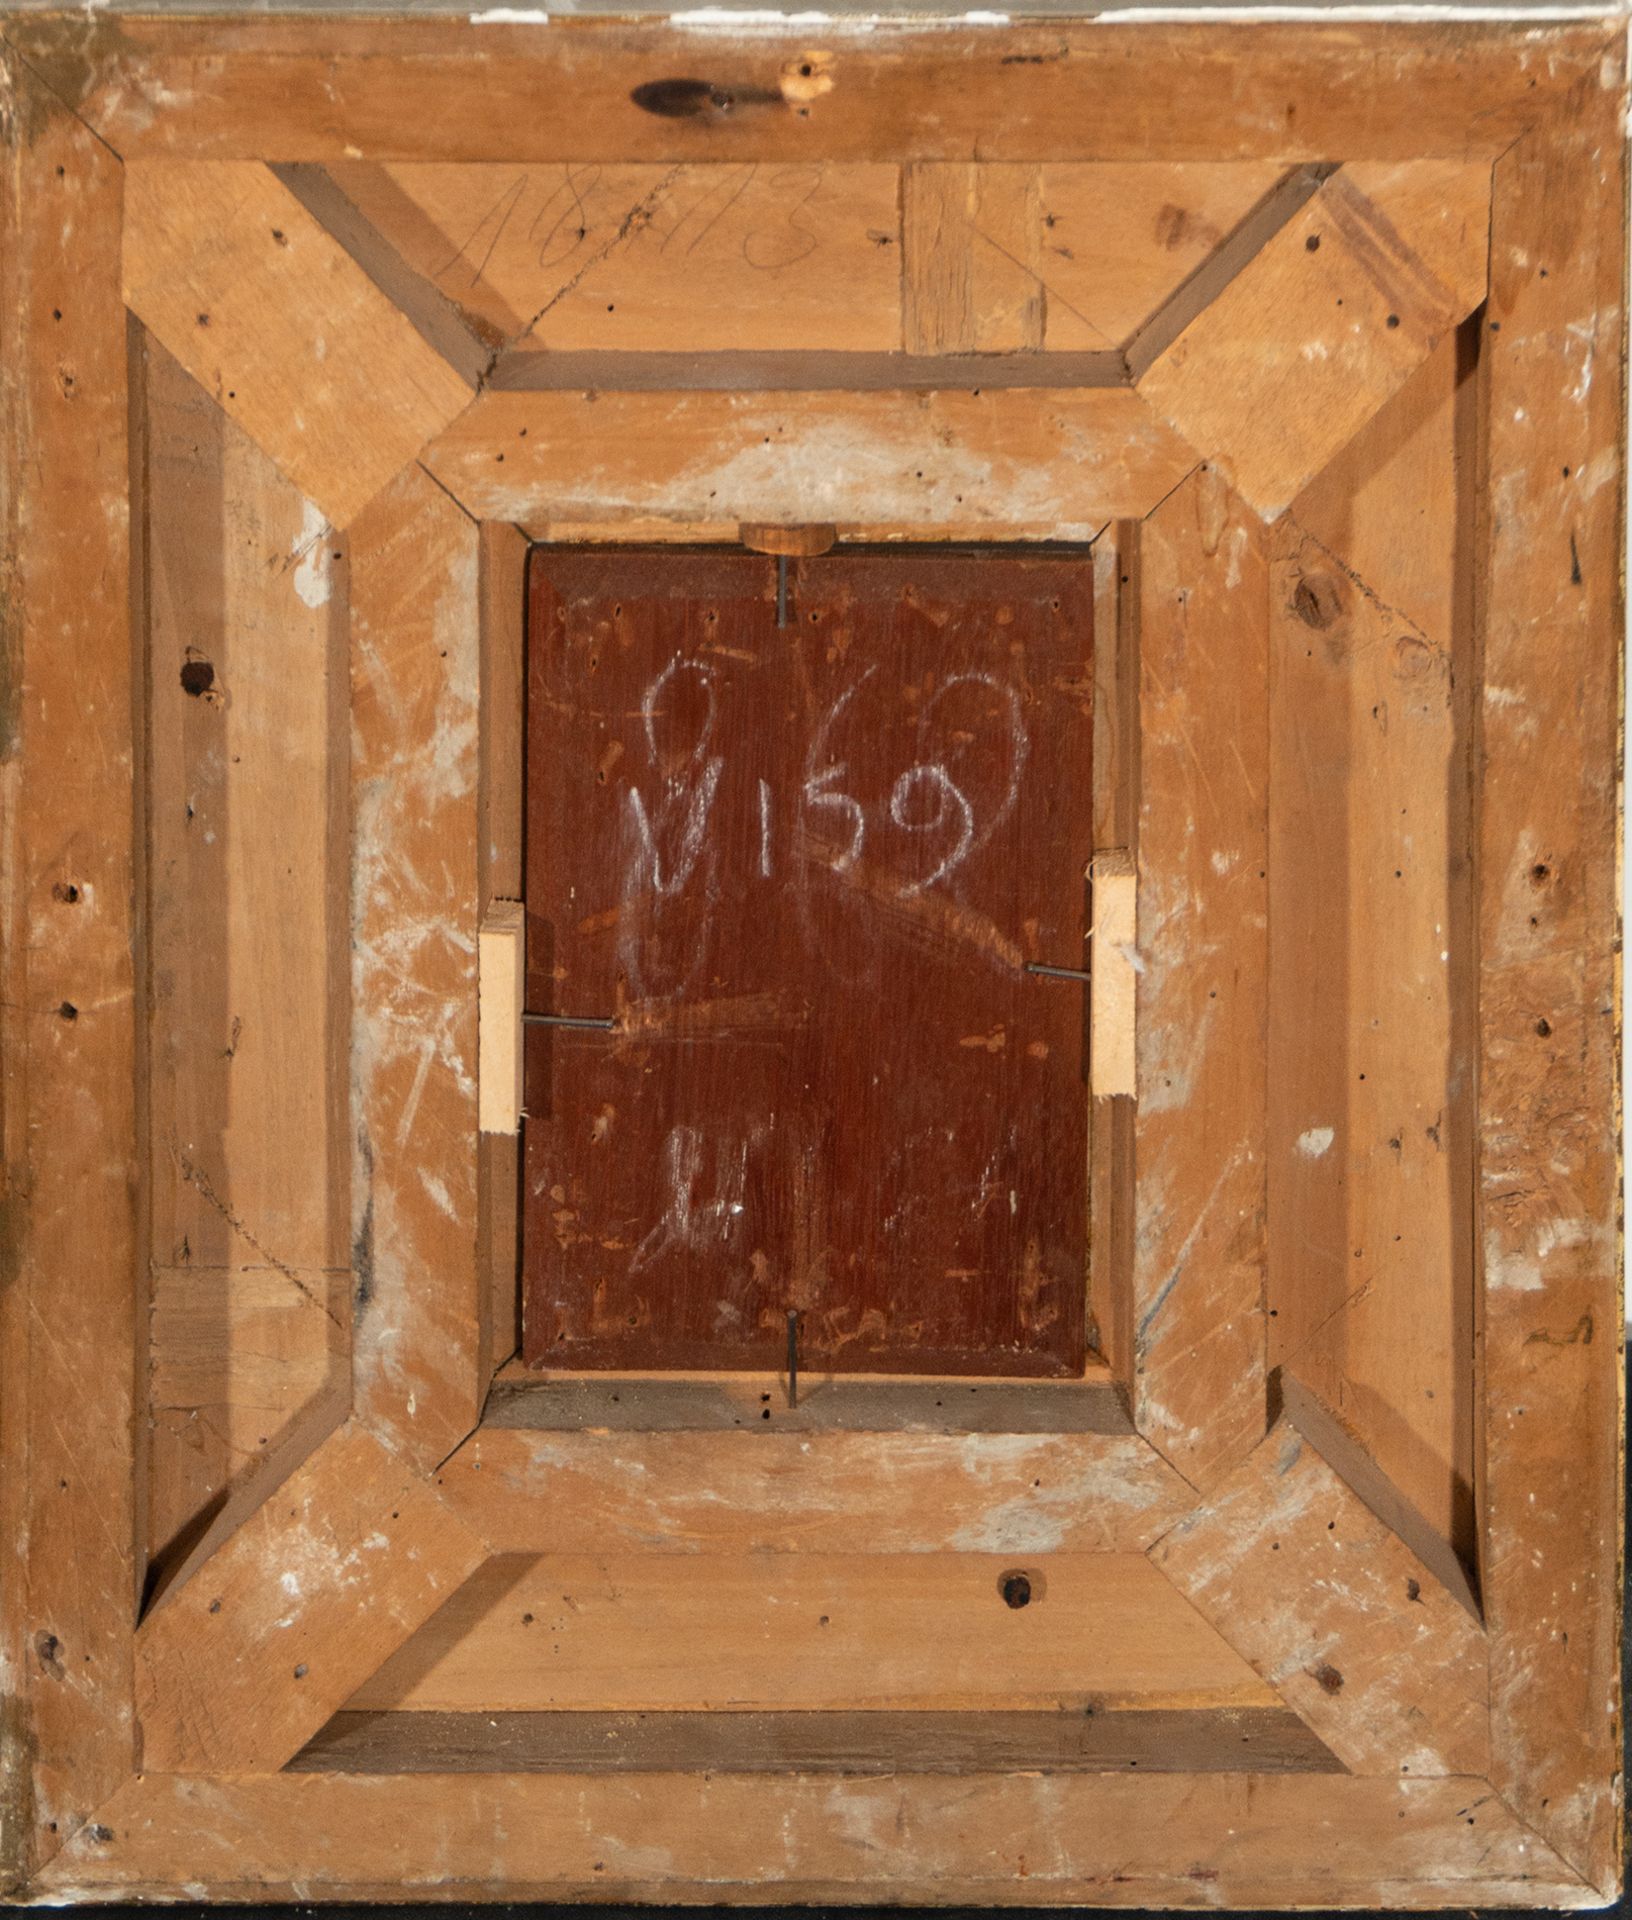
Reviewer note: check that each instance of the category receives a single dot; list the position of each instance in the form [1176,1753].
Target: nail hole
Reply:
[1015,1589]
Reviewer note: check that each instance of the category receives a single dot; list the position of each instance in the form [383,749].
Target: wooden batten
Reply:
[502,991]
[152,87]
[1333,1610]
[1115,896]
[966,463]
[1551,1310]
[278,323]
[1364,281]
[754,1492]
[953,1632]
[415,668]
[1067,1840]
[1199,1229]
[240,1667]
[1371,1081]
[1146,1739]
[73,1296]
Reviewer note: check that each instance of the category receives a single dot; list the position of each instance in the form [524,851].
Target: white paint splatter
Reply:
[1315,1141]
[312,549]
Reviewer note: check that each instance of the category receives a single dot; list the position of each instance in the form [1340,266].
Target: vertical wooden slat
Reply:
[418,1299]
[971,251]
[1549,926]
[1198,1266]
[503,640]
[1116,825]
[1371,1085]
[248,1158]
[68,1259]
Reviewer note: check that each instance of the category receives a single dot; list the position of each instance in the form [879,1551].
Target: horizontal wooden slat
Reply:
[1052,465]
[831,1492]
[591,370]
[634,257]
[1229,1840]
[706,1632]
[1061,90]
[1154,1740]
[717,1403]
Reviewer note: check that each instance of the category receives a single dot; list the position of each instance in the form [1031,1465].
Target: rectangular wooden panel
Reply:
[952,1632]
[803,870]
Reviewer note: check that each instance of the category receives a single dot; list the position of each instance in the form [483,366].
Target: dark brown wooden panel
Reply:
[804,870]
[1151,1740]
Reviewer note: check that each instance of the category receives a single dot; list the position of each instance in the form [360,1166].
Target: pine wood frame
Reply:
[147,1756]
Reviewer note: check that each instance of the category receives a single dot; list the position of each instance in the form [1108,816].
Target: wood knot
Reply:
[1414,657]
[1317,600]
[807,78]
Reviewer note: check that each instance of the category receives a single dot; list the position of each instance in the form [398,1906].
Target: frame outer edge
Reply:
[1549,933]
[70,1341]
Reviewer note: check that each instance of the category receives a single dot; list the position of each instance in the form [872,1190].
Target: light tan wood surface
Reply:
[1090,1840]
[1552,598]
[415,671]
[73,1294]
[1336,1613]
[283,331]
[831,1492]
[1371,1067]
[259,89]
[958,464]
[1363,283]
[238,1668]
[1199,1230]
[873,1631]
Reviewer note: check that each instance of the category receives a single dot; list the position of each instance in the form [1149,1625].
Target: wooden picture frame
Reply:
[1322,1563]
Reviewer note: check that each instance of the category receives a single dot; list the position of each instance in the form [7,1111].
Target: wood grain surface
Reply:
[804,868]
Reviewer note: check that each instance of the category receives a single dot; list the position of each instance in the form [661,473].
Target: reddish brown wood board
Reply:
[805,869]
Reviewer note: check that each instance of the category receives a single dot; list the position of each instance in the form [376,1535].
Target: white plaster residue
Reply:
[1053,1517]
[510,17]
[1561,1233]
[755,20]
[858,1812]
[291,1585]
[1512,1272]
[311,548]
[438,1191]
[1315,1141]
[1410,15]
